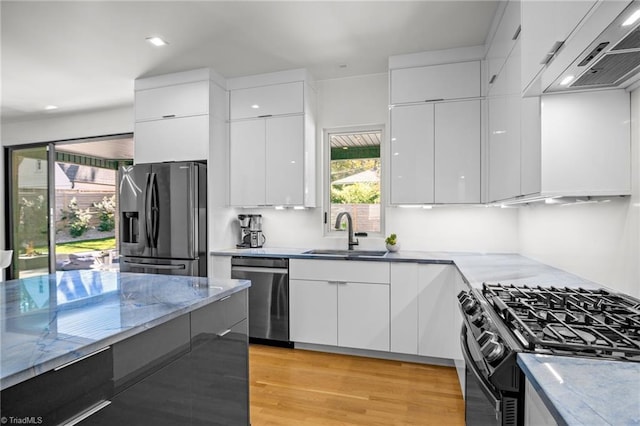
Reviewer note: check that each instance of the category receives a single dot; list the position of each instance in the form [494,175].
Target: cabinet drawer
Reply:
[339,270]
[60,394]
[176,139]
[179,100]
[447,81]
[276,99]
[137,356]
[220,316]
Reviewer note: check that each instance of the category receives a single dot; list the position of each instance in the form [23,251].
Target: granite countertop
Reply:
[585,391]
[50,320]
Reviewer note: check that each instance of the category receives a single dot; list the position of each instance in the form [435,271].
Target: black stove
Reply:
[569,321]
[502,320]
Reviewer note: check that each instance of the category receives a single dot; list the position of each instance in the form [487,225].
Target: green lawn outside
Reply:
[87,245]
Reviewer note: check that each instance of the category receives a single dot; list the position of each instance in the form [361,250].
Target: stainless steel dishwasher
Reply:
[268,297]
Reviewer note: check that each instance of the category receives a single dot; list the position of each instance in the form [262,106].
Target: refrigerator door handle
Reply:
[155,210]
[147,211]
[154,266]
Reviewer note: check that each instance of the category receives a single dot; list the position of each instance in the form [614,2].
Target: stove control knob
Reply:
[478,319]
[485,337]
[493,350]
[469,306]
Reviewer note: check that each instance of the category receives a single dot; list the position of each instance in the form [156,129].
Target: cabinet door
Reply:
[457,152]
[175,139]
[313,312]
[284,160]
[544,25]
[404,308]
[246,163]
[275,99]
[412,154]
[435,82]
[504,131]
[530,146]
[363,316]
[504,39]
[179,100]
[436,315]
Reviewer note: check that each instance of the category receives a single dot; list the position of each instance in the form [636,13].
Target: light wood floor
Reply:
[298,387]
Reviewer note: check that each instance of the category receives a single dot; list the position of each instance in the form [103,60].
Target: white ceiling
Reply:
[84,55]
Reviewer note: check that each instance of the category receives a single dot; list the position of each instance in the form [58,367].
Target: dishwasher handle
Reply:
[258,269]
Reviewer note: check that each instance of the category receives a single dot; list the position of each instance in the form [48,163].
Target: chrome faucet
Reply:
[349,228]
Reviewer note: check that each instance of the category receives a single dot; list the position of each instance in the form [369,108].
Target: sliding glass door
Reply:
[29,200]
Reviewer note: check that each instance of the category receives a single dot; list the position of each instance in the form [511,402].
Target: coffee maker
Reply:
[250,231]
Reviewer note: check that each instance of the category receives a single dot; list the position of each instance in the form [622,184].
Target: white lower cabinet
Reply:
[339,303]
[424,318]
[363,316]
[313,311]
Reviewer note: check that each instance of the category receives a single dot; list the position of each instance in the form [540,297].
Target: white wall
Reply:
[363,100]
[600,242]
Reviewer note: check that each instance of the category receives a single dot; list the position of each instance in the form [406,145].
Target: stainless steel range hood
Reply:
[612,60]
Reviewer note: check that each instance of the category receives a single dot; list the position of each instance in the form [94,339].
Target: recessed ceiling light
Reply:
[50,107]
[632,19]
[255,106]
[156,41]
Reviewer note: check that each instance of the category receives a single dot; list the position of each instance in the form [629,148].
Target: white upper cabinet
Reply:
[174,116]
[546,25]
[435,82]
[284,155]
[457,152]
[178,100]
[247,171]
[505,37]
[183,139]
[272,140]
[435,153]
[412,154]
[274,99]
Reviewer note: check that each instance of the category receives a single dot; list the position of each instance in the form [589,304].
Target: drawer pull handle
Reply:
[81,358]
[434,100]
[224,298]
[169,116]
[224,333]
[517,33]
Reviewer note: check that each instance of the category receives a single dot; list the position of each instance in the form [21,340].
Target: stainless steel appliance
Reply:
[163,218]
[502,320]
[268,297]
[251,235]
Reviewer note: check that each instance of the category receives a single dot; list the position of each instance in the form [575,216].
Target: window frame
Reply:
[328,228]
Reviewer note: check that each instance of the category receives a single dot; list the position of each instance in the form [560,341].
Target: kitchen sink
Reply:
[347,253]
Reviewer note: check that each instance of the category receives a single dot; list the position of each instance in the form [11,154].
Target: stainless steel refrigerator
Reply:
[163,218]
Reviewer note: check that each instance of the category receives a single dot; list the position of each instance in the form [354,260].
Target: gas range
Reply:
[502,320]
[569,321]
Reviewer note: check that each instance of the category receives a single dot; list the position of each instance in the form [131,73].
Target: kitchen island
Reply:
[77,341]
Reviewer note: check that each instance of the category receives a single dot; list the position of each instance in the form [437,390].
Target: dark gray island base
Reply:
[178,357]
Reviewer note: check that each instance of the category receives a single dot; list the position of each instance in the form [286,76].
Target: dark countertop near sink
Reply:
[51,320]
[595,384]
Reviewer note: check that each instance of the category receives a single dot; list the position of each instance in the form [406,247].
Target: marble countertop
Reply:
[50,320]
[476,268]
[585,391]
